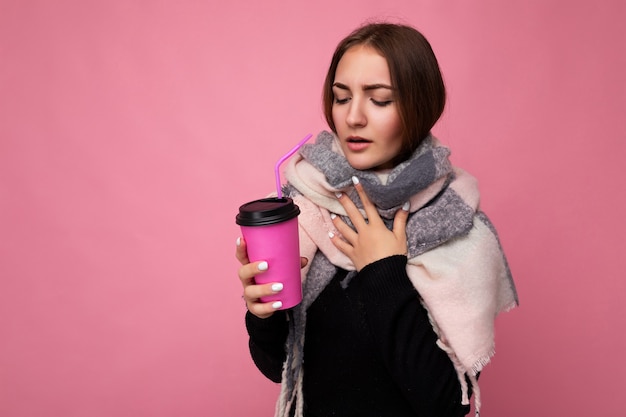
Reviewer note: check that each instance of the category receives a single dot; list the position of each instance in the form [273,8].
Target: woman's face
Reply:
[365,110]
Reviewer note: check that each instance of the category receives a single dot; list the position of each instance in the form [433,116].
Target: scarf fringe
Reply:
[482,362]
[462,374]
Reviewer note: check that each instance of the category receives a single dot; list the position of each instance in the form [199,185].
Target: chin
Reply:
[360,165]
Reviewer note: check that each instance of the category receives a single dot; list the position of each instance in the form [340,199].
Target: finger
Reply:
[399,222]
[303,262]
[352,211]
[241,253]
[345,230]
[252,295]
[368,206]
[255,292]
[248,271]
[342,245]
[263,310]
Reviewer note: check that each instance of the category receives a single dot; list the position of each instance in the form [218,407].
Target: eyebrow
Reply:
[365,87]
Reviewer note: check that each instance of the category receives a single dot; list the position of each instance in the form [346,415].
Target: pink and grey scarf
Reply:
[455,260]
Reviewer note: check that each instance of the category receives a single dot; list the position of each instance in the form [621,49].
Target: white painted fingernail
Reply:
[332,216]
[263,266]
[331,235]
[406,206]
[277,287]
[338,194]
[355,180]
[238,241]
[277,304]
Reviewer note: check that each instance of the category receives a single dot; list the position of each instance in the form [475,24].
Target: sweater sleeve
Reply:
[405,338]
[267,343]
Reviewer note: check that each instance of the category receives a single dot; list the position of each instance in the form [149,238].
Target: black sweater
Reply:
[369,350]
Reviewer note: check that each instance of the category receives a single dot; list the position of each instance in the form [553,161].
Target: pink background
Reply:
[130,132]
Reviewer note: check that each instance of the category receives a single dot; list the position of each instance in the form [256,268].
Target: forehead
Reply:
[362,64]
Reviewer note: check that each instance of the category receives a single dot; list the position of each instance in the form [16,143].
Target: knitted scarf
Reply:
[454,257]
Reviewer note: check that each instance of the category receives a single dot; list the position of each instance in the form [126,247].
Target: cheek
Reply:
[394,134]
[336,115]
[395,123]
[399,126]
[392,125]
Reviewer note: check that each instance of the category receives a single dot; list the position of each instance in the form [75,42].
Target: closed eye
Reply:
[382,103]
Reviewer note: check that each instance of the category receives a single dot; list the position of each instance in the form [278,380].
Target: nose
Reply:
[356,117]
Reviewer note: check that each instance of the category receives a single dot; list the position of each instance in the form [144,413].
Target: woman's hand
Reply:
[372,240]
[253,292]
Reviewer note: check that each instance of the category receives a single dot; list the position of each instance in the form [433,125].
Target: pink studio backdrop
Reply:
[130,132]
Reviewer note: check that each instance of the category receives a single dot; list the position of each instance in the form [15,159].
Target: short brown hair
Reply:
[414,72]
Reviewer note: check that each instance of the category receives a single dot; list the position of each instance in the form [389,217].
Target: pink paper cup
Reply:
[270,228]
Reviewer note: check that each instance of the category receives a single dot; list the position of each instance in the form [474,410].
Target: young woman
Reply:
[403,275]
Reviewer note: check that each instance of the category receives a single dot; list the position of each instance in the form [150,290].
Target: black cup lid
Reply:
[267,211]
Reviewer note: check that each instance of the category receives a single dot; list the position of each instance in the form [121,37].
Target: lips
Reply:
[356,143]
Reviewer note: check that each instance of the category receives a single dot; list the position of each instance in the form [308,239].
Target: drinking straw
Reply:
[283,159]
